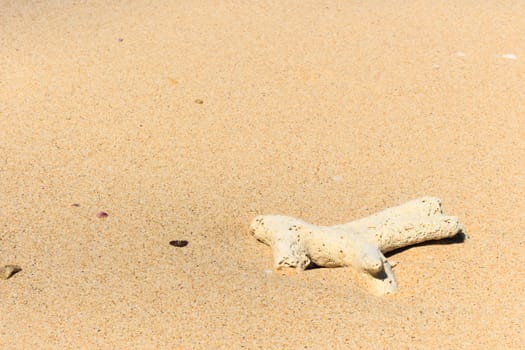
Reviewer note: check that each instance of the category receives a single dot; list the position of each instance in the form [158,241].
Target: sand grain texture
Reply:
[326,111]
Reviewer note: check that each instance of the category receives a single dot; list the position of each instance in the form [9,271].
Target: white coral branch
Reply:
[359,244]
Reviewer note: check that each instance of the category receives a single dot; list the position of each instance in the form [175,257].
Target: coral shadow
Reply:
[460,237]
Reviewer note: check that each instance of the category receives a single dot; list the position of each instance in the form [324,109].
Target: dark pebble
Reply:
[181,243]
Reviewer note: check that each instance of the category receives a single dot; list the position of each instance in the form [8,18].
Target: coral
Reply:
[359,244]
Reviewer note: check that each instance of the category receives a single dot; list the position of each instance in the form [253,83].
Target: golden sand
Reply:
[183,120]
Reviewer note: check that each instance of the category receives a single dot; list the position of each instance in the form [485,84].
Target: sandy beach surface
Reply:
[182,120]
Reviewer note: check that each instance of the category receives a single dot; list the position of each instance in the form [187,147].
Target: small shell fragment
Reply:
[8,271]
[102,214]
[510,56]
[337,178]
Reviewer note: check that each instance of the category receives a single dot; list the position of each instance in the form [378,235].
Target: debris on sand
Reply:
[9,270]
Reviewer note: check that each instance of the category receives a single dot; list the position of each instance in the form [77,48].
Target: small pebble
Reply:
[337,178]
[120,40]
[461,54]
[8,271]
[102,214]
[179,243]
[75,205]
[199,101]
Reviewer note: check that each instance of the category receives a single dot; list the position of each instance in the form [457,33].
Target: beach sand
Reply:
[183,120]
